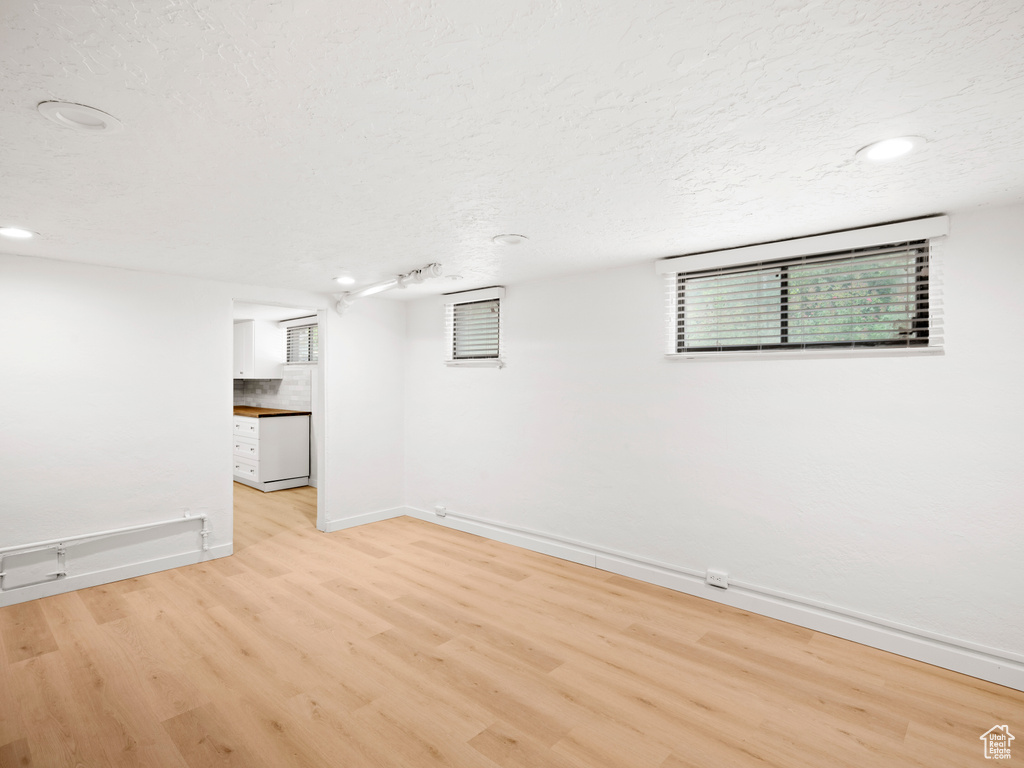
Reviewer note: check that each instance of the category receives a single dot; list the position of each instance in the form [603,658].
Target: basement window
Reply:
[880,297]
[473,332]
[303,344]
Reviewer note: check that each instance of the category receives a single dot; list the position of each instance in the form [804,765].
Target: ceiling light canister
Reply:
[16,232]
[890,149]
[79,117]
[509,239]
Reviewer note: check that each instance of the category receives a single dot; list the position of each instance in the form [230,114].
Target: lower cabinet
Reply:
[271,452]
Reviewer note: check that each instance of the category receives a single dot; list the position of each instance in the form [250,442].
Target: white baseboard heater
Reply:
[51,563]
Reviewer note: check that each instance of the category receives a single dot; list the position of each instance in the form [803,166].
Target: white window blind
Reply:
[473,327]
[881,296]
[303,344]
[878,297]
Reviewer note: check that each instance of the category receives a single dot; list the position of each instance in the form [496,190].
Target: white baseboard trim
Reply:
[273,485]
[545,545]
[121,572]
[330,526]
[995,665]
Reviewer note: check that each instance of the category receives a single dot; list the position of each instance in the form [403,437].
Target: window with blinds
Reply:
[869,297]
[473,326]
[303,344]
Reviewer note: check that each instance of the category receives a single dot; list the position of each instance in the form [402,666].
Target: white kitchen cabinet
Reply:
[259,350]
[272,452]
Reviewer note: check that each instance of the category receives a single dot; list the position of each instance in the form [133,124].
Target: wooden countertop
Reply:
[259,413]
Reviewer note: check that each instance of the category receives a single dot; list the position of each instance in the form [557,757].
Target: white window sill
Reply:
[796,354]
[475,363]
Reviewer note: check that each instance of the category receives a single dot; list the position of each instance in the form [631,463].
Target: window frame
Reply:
[927,235]
[312,345]
[462,298]
[918,317]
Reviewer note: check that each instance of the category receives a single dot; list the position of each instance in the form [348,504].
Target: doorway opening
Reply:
[278,398]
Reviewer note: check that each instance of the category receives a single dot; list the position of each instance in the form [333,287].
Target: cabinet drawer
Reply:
[246,426]
[247,448]
[247,469]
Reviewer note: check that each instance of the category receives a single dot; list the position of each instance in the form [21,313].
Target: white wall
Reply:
[892,487]
[365,365]
[117,391]
[115,399]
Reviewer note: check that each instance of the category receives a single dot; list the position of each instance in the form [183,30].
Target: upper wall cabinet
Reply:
[259,350]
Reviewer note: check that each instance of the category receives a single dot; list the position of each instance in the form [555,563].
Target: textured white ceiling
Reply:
[283,142]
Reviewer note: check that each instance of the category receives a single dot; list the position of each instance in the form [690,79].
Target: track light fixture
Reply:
[344,300]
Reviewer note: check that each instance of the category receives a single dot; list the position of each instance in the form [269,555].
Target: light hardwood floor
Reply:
[406,644]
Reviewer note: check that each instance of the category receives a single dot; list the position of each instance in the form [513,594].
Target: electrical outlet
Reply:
[440,510]
[718,579]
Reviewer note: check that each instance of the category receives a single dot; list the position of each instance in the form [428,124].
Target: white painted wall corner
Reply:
[330,526]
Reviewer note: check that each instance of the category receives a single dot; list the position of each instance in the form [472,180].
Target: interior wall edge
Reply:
[108,575]
[992,665]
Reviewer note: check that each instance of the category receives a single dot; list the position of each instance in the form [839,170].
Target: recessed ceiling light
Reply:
[453,277]
[509,239]
[345,279]
[16,232]
[890,149]
[79,117]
